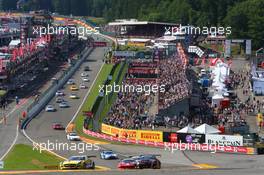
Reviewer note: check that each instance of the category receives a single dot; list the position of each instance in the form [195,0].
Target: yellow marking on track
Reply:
[97,168]
[93,141]
[70,128]
[205,166]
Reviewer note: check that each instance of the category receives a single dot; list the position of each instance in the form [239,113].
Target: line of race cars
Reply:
[133,162]
[73,87]
[84,161]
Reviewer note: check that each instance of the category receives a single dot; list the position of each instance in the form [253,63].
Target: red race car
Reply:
[57,126]
[127,164]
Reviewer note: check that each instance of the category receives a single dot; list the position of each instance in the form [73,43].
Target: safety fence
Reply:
[36,107]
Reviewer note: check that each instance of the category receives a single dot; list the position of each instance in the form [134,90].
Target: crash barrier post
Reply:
[36,108]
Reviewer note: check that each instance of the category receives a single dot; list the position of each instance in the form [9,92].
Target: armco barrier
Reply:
[37,107]
[176,146]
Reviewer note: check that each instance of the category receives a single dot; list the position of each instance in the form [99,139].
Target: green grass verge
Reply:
[113,99]
[114,77]
[23,157]
[105,71]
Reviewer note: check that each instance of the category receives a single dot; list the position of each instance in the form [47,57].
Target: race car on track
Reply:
[73,96]
[50,108]
[86,68]
[85,79]
[84,74]
[127,164]
[74,88]
[64,104]
[78,162]
[72,136]
[147,161]
[59,93]
[70,82]
[108,155]
[83,86]
[59,100]
[57,126]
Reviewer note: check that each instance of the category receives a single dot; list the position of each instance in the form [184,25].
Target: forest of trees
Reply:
[246,17]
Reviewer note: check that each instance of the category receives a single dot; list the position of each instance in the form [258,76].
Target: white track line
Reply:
[85,98]
[43,148]
[14,142]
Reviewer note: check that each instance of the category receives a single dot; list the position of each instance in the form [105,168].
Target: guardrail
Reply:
[37,106]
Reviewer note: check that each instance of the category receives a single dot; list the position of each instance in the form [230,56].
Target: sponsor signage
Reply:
[143,135]
[146,64]
[183,146]
[124,53]
[136,44]
[174,137]
[149,135]
[224,140]
[237,41]
[191,138]
[142,71]
[99,44]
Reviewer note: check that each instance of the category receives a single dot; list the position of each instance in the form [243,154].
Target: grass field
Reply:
[23,157]
[105,71]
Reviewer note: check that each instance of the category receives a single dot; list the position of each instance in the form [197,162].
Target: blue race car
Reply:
[106,155]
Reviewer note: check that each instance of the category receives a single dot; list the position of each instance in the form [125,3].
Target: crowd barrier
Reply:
[175,146]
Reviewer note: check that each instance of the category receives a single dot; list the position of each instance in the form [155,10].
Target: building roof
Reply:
[136,22]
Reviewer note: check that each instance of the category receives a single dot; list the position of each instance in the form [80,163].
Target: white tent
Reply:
[206,129]
[14,43]
[216,99]
[188,129]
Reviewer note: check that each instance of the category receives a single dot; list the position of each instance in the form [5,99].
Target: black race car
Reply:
[147,161]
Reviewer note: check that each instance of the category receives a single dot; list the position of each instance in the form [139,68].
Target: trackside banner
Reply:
[224,140]
[143,135]
[175,146]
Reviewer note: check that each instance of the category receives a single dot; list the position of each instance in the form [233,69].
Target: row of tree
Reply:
[246,17]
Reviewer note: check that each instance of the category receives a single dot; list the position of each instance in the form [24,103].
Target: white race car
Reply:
[83,86]
[50,108]
[84,74]
[73,96]
[59,93]
[72,136]
[85,79]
